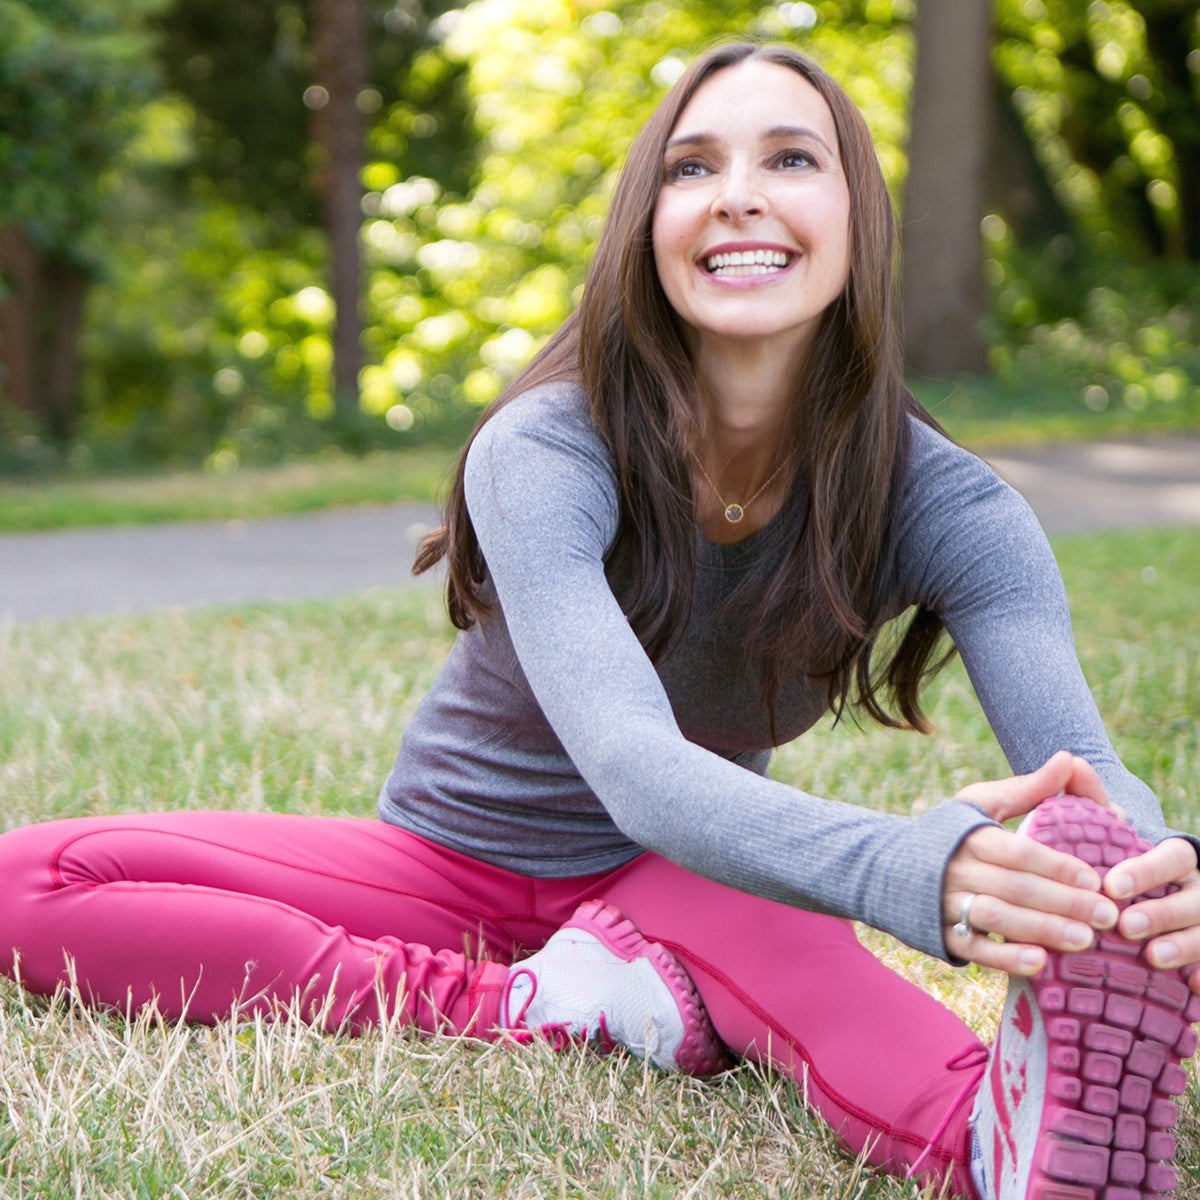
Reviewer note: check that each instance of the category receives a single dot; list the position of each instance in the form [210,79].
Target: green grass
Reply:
[987,414]
[298,708]
[327,482]
[980,413]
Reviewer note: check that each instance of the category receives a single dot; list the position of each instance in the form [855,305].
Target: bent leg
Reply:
[891,1070]
[213,912]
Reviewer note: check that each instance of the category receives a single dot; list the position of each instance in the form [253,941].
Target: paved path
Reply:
[131,569]
[1109,485]
[135,568]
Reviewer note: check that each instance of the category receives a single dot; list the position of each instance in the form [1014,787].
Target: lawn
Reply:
[298,708]
[65,501]
[983,414]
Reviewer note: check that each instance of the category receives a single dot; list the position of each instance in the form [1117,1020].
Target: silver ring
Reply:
[964,928]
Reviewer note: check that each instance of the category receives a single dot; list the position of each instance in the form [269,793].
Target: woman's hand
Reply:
[1030,895]
[1170,926]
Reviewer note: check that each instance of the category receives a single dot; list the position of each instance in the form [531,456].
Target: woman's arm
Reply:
[977,556]
[972,550]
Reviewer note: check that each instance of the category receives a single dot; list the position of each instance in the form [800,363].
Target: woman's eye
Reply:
[796,158]
[688,169]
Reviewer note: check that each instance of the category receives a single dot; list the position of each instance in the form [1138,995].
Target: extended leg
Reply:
[891,1070]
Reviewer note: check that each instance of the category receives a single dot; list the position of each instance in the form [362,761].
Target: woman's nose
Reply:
[739,196]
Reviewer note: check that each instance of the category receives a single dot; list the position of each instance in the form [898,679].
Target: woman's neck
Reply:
[742,464]
[748,387]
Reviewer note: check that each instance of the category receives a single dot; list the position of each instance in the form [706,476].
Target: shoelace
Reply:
[557,1033]
[973,1059]
[507,1017]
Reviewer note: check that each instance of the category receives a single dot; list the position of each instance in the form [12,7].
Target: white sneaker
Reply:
[597,979]
[1076,1102]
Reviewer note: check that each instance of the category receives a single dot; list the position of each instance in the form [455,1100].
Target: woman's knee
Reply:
[27,877]
[32,856]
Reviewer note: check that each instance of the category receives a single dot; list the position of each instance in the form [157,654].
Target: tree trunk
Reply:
[944,296]
[67,284]
[18,337]
[339,40]
[1169,29]
[40,324]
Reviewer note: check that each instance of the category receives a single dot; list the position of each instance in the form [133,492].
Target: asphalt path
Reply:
[1072,486]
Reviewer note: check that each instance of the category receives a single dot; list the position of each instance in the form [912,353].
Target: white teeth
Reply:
[747,262]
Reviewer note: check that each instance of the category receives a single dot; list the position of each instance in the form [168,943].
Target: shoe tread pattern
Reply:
[1118,1031]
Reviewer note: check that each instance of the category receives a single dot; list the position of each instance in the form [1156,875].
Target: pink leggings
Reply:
[211,911]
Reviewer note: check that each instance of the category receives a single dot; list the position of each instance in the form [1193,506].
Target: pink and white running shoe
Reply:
[598,979]
[1077,1099]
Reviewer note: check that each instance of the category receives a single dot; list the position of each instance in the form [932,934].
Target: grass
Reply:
[298,708]
[981,413]
[990,414]
[305,486]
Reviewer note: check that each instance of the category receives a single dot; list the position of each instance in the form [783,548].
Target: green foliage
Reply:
[464,288]
[243,69]
[1104,312]
[70,72]
[211,338]
[1110,92]
[495,132]
[208,338]
[1120,339]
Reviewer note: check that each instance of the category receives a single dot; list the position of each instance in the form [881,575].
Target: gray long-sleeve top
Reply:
[551,746]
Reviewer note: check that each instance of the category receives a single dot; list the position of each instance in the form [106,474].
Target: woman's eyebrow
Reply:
[775,134]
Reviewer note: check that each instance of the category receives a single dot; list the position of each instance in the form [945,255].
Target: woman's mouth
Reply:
[735,263]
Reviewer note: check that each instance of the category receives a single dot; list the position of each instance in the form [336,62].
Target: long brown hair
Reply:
[819,605]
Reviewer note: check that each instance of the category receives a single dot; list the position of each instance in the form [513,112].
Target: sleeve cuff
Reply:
[908,904]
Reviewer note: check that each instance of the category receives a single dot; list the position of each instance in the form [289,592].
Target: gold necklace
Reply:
[735,512]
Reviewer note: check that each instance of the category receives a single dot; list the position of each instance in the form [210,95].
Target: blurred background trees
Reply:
[70,74]
[236,232]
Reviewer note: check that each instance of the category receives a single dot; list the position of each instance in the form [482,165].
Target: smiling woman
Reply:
[751,245]
[675,543]
[751,231]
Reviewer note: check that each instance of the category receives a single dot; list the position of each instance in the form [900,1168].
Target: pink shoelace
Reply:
[973,1059]
[557,1033]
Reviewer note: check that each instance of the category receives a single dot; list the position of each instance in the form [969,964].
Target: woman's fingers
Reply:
[1030,895]
[990,914]
[1171,861]
[1023,928]
[1013,958]
[1169,924]
[1064,917]
[990,846]
[1170,927]
[1176,915]
[1021,794]
[1021,870]
[1028,898]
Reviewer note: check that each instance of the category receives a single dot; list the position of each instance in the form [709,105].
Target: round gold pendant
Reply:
[734,513]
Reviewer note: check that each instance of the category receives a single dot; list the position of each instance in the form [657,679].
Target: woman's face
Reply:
[751,229]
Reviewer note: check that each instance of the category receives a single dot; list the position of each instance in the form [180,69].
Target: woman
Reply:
[673,545]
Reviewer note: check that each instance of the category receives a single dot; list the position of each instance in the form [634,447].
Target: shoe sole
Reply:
[700,1051]
[1117,1033]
